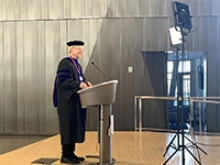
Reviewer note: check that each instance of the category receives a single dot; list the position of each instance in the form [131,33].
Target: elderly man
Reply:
[72,118]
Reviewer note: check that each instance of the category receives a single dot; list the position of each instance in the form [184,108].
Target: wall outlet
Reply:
[130,69]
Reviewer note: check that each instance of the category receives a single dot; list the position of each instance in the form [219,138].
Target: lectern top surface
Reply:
[99,85]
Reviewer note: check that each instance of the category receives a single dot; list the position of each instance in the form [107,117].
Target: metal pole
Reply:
[135,113]
[101,135]
[140,116]
[105,135]
[182,103]
[191,117]
[200,119]
[110,135]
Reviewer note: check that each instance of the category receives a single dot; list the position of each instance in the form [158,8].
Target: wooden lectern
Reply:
[103,94]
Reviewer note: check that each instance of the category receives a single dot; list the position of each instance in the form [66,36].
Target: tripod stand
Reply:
[180,120]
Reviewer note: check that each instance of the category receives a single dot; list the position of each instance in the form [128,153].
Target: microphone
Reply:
[106,78]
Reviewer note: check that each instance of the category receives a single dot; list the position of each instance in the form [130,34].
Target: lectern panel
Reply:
[104,93]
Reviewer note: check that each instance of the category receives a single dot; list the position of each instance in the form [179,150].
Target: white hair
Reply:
[69,49]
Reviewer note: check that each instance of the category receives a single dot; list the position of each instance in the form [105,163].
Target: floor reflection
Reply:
[10,143]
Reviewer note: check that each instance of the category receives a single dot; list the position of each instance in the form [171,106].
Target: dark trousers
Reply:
[68,150]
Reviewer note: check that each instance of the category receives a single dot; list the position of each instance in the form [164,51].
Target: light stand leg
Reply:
[194,144]
[170,145]
[170,158]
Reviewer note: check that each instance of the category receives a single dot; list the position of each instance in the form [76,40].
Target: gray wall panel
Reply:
[79,29]
[53,50]
[169,8]
[147,31]
[126,79]
[213,111]
[124,8]
[115,69]
[93,35]
[85,37]
[113,9]
[90,8]
[62,40]
[41,79]
[136,8]
[159,34]
[138,58]
[72,31]
[34,78]
[139,67]
[32,8]
[148,91]
[105,48]
[66,8]
[30,113]
[82,8]
[56,8]
[51,41]
[13,10]
[198,33]
[75,9]
[97,8]
[39,9]
[1,80]
[24,9]
[51,9]
[205,7]
[218,59]
[3,11]
[155,111]
[145,8]
[105,4]
[193,7]
[45,9]
[41,86]
[20,76]
[158,8]
[216,5]
[9,77]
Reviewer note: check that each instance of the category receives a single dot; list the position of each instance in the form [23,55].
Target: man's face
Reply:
[77,51]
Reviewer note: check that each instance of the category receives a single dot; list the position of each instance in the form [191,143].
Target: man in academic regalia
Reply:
[72,118]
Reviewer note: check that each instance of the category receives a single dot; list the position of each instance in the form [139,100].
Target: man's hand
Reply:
[89,84]
[83,85]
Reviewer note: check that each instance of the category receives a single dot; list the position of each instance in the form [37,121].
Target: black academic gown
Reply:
[72,118]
